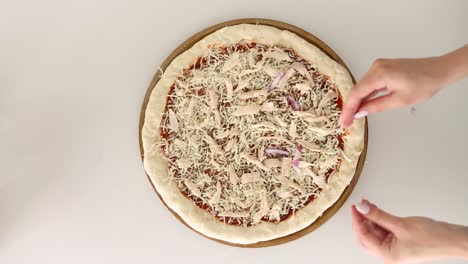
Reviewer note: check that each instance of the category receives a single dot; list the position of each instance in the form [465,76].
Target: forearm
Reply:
[453,66]
[458,245]
[464,243]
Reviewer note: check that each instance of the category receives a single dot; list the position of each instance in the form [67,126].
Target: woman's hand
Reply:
[406,81]
[408,239]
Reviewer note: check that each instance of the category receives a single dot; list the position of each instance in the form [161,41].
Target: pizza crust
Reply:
[202,221]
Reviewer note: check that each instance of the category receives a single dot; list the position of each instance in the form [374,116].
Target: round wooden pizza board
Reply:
[310,38]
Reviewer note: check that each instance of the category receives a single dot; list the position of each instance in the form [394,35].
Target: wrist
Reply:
[464,244]
[459,247]
[453,66]
[443,71]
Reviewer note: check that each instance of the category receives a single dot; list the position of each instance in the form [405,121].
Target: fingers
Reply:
[369,240]
[379,217]
[380,104]
[369,84]
[376,230]
[375,94]
[372,227]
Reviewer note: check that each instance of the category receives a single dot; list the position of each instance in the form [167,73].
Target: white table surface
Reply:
[72,79]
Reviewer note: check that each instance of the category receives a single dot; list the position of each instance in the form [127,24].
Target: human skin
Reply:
[407,239]
[407,82]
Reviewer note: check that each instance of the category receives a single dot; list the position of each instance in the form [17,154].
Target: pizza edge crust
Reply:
[202,221]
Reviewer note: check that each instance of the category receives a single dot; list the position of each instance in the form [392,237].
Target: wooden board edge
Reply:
[310,38]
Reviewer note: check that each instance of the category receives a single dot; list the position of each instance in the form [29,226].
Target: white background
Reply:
[73,75]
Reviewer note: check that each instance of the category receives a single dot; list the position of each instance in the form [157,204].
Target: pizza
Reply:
[241,135]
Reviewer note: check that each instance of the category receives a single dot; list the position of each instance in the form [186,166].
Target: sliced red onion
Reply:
[297,158]
[293,102]
[297,155]
[297,169]
[277,80]
[276,151]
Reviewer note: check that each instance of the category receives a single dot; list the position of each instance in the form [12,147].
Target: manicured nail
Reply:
[362,208]
[340,122]
[361,114]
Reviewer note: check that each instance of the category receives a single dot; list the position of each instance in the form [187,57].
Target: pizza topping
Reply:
[261,153]
[191,106]
[330,95]
[309,145]
[280,121]
[265,124]
[214,147]
[193,188]
[268,107]
[277,138]
[283,194]
[233,214]
[223,134]
[213,99]
[314,119]
[274,73]
[303,88]
[173,121]
[229,89]
[230,144]
[251,177]
[249,109]
[273,151]
[182,84]
[303,71]
[283,81]
[184,164]
[216,195]
[293,102]
[285,167]
[272,163]
[232,175]
[297,158]
[253,160]
[236,200]
[277,54]
[252,94]
[277,80]
[250,133]
[304,164]
[317,179]
[309,113]
[275,213]
[232,62]
[293,130]
[321,131]
[247,72]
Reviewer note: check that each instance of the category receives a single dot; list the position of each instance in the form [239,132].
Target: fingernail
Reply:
[364,200]
[362,208]
[340,121]
[361,114]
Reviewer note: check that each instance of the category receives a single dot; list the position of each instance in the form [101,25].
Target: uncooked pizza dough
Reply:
[241,135]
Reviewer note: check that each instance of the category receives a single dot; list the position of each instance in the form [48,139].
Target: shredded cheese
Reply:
[222,115]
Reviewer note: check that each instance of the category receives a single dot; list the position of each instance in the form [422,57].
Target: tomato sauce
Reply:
[200,63]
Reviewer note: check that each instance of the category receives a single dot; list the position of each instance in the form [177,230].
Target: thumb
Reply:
[373,213]
[369,84]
